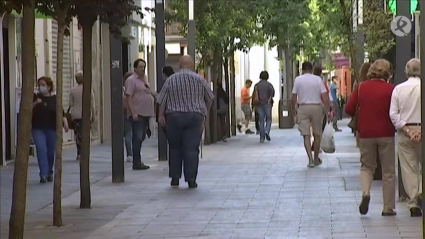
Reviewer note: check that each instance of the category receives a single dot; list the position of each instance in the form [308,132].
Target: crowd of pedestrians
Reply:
[186,98]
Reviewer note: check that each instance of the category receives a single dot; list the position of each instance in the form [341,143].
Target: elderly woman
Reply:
[376,133]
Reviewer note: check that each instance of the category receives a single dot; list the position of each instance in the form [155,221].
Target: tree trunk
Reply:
[226,80]
[87,25]
[17,214]
[232,93]
[57,187]
[207,136]
[214,78]
[350,35]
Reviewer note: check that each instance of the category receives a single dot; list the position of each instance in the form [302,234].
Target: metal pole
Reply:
[422,53]
[403,55]
[191,31]
[3,112]
[117,116]
[160,63]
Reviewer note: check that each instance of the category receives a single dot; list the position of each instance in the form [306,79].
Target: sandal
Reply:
[317,162]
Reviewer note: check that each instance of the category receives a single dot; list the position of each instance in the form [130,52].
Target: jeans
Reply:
[128,136]
[139,134]
[45,143]
[184,133]
[78,123]
[265,119]
[257,124]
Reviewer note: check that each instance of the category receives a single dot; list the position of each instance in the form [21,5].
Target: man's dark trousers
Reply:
[184,133]
[139,134]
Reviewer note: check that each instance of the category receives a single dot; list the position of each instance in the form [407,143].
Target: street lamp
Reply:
[191,31]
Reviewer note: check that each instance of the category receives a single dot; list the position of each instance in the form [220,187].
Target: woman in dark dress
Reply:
[44,127]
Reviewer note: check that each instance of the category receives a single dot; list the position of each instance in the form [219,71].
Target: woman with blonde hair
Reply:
[376,133]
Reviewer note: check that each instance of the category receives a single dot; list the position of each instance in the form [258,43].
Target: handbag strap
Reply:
[358,97]
[69,109]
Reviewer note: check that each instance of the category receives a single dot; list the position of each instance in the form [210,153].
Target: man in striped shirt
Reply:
[184,103]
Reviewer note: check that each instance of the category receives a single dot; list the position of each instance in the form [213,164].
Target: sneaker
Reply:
[141,166]
[224,140]
[364,205]
[49,178]
[261,141]
[268,137]
[389,213]
[129,159]
[239,128]
[43,179]
[310,165]
[248,131]
[78,158]
[257,133]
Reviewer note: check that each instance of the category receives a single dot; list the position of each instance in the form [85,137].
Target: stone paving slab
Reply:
[246,190]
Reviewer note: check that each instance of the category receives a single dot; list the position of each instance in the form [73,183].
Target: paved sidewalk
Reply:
[246,190]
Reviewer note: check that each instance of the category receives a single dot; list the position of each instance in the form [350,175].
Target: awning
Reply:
[37,14]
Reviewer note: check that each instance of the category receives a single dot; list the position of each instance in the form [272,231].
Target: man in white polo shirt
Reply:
[308,92]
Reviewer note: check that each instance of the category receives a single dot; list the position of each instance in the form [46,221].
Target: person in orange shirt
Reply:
[245,106]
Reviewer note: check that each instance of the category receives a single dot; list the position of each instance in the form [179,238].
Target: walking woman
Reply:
[372,99]
[44,127]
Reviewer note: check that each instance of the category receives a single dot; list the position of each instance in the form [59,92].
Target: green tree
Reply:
[114,13]
[60,11]
[218,24]
[17,214]
[378,37]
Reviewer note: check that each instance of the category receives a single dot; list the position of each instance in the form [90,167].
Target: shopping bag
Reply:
[328,142]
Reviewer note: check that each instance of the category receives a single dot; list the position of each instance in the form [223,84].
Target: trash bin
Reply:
[286,116]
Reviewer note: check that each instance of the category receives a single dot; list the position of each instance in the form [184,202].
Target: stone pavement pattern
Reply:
[246,190]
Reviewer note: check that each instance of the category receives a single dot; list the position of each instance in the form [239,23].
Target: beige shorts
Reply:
[310,116]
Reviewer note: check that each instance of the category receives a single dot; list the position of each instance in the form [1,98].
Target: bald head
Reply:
[79,77]
[186,62]
[413,68]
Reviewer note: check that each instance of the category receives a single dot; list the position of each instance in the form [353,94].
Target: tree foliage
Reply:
[378,37]
[220,24]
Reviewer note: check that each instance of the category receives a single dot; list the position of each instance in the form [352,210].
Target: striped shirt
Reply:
[185,92]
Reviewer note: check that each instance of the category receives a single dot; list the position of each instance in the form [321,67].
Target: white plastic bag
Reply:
[328,142]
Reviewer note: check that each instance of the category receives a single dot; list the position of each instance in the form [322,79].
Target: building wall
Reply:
[249,66]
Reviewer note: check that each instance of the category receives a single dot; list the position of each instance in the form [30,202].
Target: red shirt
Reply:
[374,107]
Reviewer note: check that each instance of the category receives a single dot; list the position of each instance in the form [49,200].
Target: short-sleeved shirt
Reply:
[44,113]
[185,92]
[245,95]
[333,92]
[265,91]
[309,89]
[139,90]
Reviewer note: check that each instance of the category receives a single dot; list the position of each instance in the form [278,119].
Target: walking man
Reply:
[264,96]
[140,102]
[184,103]
[405,113]
[246,105]
[308,92]
[334,103]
